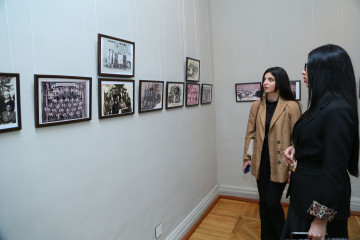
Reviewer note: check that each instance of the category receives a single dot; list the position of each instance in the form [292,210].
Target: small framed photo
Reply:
[116,57]
[116,97]
[174,94]
[192,94]
[10,112]
[296,89]
[247,92]
[192,69]
[150,95]
[206,93]
[61,100]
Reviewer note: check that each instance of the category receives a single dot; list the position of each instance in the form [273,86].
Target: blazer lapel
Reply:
[280,107]
[262,114]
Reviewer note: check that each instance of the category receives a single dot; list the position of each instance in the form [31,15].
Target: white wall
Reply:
[250,36]
[115,178]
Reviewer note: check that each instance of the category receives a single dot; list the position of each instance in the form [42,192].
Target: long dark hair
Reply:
[330,71]
[281,82]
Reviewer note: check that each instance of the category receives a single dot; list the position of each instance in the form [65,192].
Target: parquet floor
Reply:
[240,220]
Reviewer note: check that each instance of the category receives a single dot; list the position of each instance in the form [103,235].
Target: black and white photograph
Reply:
[206,93]
[10,116]
[150,95]
[116,57]
[174,94]
[192,69]
[296,89]
[61,99]
[247,92]
[116,97]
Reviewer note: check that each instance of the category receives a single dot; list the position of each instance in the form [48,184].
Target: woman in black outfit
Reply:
[326,148]
[271,120]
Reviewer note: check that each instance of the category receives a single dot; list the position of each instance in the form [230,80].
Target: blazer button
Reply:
[278,162]
[278,152]
[278,142]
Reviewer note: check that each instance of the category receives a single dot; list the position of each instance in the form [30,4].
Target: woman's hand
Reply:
[245,165]
[317,229]
[289,156]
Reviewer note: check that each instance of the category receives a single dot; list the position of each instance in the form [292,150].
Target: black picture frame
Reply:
[61,100]
[192,94]
[296,89]
[116,57]
[206,93]
[247,92]
[116,97]
[10,107]
[151,95]
[174,95]
[192,70]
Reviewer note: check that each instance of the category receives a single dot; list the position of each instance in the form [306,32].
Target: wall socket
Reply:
[158,231]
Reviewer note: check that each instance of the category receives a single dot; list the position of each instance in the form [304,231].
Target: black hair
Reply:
[330,71]
[281,82]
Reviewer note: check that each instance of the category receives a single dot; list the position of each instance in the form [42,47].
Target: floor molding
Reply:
[197,214]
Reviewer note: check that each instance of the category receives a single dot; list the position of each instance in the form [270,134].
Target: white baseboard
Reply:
[191,219]
[226,190]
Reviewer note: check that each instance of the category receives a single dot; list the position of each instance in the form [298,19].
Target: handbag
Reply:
[250,150]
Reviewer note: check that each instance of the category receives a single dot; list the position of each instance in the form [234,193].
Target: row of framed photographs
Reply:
[249,92]
[67,99]
[116,58]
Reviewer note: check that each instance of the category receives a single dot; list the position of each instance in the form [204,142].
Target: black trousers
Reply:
[271,212]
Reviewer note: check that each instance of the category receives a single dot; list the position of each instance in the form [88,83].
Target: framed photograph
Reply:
[116,57]
[206,93]
[174,95]
[247,92]
[296,89]
[116,97]
[192,94]
[192,70]
[61,100]
[150,95]
[10,112]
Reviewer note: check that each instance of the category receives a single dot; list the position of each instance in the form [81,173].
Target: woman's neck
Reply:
[272,97]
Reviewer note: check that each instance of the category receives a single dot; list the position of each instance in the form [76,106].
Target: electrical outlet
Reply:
[158,231]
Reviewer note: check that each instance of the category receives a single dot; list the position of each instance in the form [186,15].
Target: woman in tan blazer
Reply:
[271,119]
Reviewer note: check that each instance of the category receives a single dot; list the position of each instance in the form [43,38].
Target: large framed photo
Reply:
[150,95]
[174,94]
[116,57]
[10,112]
[206,93]
[116,97]
[192,70]
[296,89]
[192,94]
[247,92]
[61,100]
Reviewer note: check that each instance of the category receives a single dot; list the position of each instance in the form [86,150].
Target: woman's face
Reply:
[269,83]
[8,108]
[305,76]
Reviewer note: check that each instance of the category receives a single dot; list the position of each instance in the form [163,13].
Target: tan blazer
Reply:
[285,116]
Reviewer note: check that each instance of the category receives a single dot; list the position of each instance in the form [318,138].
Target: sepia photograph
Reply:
[192,94]
[296,89]
[150,95]
[247,92]
[206,93]
[174,94]
[116,97]
[192,70]
[116,57]
[61,100]
[10,117]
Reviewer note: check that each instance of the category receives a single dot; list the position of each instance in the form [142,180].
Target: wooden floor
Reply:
[240,220]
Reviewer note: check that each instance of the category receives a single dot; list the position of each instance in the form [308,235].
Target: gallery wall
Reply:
[251,36]
[112,178]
